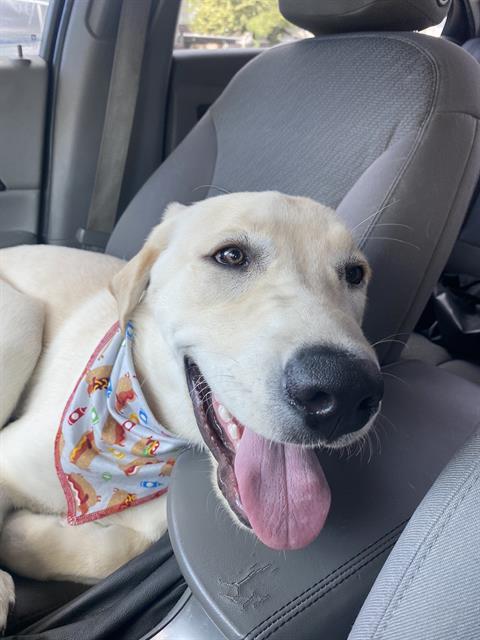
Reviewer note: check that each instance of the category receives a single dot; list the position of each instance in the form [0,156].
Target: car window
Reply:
[22,22]
[222,24]
[436,30]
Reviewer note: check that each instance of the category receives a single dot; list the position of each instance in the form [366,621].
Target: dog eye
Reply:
[231,257]
[354,274]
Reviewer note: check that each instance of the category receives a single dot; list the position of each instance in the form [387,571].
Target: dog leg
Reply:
[21,327]
[7,589]
[44,547]
[7,598]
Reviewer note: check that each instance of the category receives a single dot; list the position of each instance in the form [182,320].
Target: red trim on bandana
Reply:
[72,517]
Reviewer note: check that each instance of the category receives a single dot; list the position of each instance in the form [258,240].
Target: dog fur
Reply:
[57,303]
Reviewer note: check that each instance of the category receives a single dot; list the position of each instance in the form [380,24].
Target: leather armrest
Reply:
[250,591]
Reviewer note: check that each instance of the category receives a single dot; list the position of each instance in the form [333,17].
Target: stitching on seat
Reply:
[364,551]
[416,144]
[447,220]
[459,113]
[335,578]
[319,593]
[419,137]
[311,43]
[449,511]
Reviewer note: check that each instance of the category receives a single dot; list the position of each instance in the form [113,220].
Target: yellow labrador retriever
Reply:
[246,312]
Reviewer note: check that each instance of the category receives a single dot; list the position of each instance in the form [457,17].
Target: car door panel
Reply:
[22,123]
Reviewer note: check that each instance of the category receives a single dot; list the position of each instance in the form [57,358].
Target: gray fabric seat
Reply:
[473,48]
[420,348]
[428,588]
[361,122]
[317,592]
[465,257]
[384,127]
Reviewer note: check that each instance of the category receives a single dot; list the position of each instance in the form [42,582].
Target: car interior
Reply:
[368,113]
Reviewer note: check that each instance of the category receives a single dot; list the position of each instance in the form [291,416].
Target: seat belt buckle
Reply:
[92,240]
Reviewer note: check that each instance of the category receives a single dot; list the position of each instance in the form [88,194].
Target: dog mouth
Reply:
[277,489]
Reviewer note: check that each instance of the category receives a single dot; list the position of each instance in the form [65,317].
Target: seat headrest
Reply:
[338,16]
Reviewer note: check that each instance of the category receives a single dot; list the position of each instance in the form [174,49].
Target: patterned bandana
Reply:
[110,452]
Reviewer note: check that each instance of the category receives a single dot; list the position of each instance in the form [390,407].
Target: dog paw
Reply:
[7,598]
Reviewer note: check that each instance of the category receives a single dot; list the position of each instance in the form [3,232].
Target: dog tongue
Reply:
[283,491]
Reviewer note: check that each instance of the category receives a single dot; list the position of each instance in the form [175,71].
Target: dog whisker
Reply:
[385,224]
[376,435]
[388,340]
[408,244]
[374,441]
[200,386]
[211,186]
[223,356]
[395,335]
[384,417]
[370,447]
[392,375]
[395,224]
[372,215]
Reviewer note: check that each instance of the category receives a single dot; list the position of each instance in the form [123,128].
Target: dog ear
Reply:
[173,209]
[128,285]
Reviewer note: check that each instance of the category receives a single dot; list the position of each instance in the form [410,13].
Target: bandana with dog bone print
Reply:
[110,452]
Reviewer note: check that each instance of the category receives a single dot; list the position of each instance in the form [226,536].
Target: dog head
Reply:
[258,299]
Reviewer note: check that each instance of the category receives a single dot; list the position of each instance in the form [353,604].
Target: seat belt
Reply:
[118,123]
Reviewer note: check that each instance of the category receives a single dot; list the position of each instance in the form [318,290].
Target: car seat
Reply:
[382,124]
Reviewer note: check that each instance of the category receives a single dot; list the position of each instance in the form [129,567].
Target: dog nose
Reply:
[335,392]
